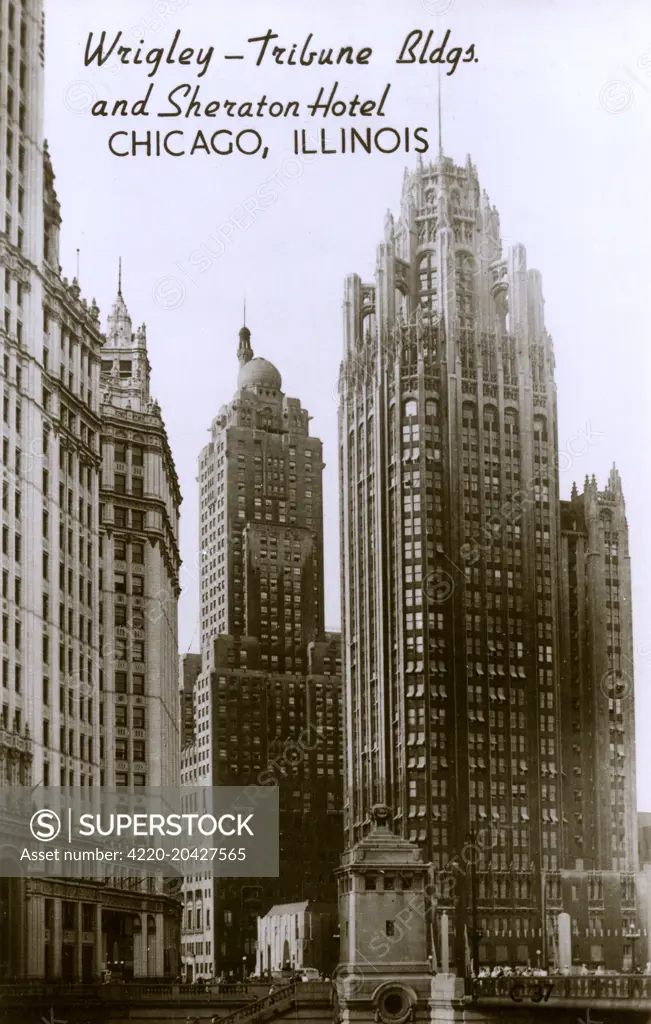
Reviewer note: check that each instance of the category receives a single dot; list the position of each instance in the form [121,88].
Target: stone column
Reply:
[564,942]
[159,947]
[36,937]
[78,941]
[99,951]
[57,938]
[140,949]
[445,944]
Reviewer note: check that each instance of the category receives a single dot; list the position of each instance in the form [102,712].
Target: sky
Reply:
[555,114]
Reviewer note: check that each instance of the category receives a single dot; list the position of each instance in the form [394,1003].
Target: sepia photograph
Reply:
[326,655]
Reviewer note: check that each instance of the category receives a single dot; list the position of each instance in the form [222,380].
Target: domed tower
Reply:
[270,483]
[268,666]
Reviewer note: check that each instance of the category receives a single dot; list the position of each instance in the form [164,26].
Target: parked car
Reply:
[310,974]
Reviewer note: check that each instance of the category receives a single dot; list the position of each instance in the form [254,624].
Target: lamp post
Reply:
[475,934]
[243,968]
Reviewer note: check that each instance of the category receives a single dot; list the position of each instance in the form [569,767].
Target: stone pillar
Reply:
[446,1004]
[159,947]
[564,942]
[78,941]
[445,944]
[57,938]
[140,949]
[36,937]
[99,950]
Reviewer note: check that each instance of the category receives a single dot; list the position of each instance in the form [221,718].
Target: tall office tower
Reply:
[139,506]
[261,520]
[450,541]
[270,673]
[598,705]
[50,730]
[257,727]
[189,670]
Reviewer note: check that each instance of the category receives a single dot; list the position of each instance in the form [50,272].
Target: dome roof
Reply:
[259,373]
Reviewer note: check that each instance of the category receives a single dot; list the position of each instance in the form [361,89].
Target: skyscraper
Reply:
[261,505]
[454,586]
[597,701]
[139,506]
[270,674]
[53,730]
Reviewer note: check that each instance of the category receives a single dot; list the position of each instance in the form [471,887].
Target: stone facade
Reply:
[55,707]
[468,708]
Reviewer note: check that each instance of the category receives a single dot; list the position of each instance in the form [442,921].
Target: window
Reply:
[138,553]
[120,682]
[138,715]
[138,586]
[120,582]
[136,456]
[137,487]
[120,615]
[121,715]
[120,483]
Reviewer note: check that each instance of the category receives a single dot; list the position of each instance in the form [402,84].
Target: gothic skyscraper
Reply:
[455,625]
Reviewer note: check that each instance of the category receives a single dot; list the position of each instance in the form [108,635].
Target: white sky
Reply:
[556,116]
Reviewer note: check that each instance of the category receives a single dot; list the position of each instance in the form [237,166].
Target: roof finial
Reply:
[119,275]
[244,350]
[440,120]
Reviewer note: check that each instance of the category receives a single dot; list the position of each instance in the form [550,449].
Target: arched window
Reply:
[411,407]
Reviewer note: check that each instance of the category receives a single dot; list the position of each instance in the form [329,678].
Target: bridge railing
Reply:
[283,997]
[563,987]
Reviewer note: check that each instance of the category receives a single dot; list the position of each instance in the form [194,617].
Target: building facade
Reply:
[597,704]
[457,631]
[298,935]
[270,674]
[52,729]
[139,538]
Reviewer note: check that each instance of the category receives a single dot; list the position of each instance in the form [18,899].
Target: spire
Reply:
[119,330]
[244,350]
[614,480]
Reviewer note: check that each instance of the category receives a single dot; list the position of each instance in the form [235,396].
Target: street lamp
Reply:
[475,933]
[243,968]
